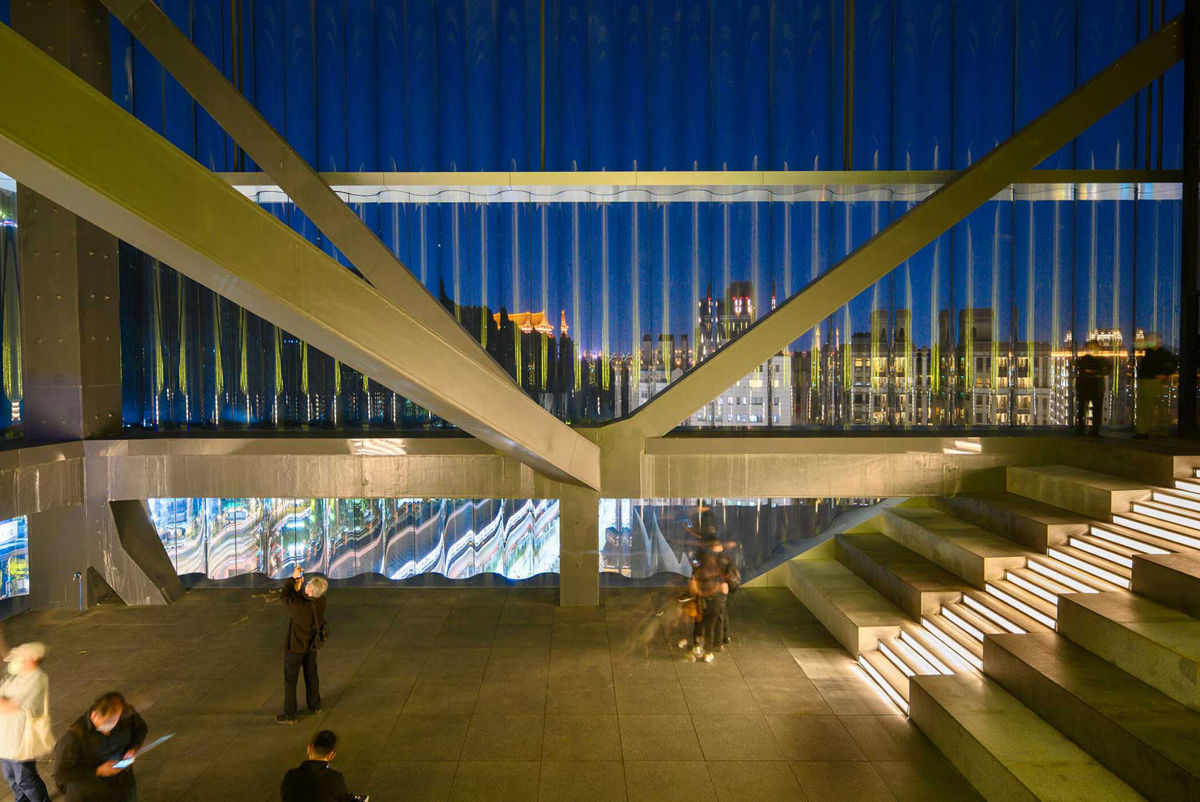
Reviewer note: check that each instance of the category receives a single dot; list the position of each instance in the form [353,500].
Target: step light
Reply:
[1185,501]
[1088,568]
[1032,587]
[1059,577]
[1102,553]
[962,624]
[895,660]
[938,665]
[876,679]
[961,653]
[987,612]
[1017,604]
[920,664]
[1127,542]
[1172,517]
[1187,486]
[1157,531]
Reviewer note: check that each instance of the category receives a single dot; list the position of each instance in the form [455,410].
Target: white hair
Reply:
[317,586]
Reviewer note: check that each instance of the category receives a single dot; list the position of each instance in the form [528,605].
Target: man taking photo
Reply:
[305,603]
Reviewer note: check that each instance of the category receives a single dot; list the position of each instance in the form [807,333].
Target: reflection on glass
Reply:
[396,538]
[11,372]
[641,538]
[14,557]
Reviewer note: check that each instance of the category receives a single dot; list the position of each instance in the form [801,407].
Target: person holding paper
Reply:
[86,767]
[25,722]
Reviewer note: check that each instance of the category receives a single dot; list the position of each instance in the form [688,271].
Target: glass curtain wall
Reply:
[12,394]
[394,538]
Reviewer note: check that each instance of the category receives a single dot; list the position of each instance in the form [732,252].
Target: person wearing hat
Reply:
[25,722]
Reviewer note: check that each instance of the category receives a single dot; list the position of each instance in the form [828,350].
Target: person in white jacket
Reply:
[23,697]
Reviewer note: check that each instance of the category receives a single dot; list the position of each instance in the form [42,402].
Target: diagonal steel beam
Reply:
[910,232]
[69,142]
[303,185]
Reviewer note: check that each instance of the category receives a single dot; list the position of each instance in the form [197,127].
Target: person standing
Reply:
[313,780]
[305,603]
[85,766]
[25,722]
[708,583]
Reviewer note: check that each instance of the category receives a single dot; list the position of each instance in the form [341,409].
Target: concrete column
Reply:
[70,311]
[579,555]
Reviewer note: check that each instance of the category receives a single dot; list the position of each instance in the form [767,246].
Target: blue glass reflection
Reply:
[14,557]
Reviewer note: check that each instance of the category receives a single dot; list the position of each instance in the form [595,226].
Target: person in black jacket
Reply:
[305,605]
[84,766]
[313,780]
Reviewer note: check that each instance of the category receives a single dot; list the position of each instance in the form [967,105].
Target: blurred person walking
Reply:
[85,766]
[313,780]
[709,585]
[1154,368]
[25,722]
[307,632]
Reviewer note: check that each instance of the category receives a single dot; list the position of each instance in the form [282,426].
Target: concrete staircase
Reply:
[1046,638]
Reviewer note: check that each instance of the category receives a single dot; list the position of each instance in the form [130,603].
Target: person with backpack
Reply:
[306,633]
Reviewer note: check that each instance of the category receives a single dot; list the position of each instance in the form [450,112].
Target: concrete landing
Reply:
[1091,494]
[965,550]
[1137,732]
[1003,747]
[903,577]
[1158,645]
[1025,521]
[1170,579]
[478,694]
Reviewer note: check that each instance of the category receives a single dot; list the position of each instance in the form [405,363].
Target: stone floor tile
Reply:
[668,781]
[416,737]
[741,781]
[785,695]
[522,636]
[417,780]
[513,697]
[925,781]
[500,780]
[589,696]
[814,738]
[573,781]
[504,738]
[438,698]
[581,738]
[736,737]
[456,665]
[650,698]
[659,738]
[835,781]
[889,737]
[710,697]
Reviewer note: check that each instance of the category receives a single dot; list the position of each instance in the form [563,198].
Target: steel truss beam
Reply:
[250,130]
[910,232]
[72,144]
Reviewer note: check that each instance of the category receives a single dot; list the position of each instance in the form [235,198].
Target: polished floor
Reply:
[494,694]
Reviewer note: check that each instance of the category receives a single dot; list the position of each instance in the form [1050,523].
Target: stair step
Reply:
[1035,585]
[1089,563]
[1158,645]
[1002,747]
[881,670]
[849,608]
[903,577]
[1187,485]
[963,549]
[1004,610]
[1107,549]
[968,648]
[964,617]
[1140,541]
[1172,580]
[935,652]
[1025,521]
[1035,607]
[1175,498]
[903,656]
[1181,536]
[1078,581]
[1090,494]
[1139,733]
[1187,519]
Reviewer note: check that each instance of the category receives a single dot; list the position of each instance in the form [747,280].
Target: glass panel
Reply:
[645,538]
[14,557]
[11,370]
[394,539]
